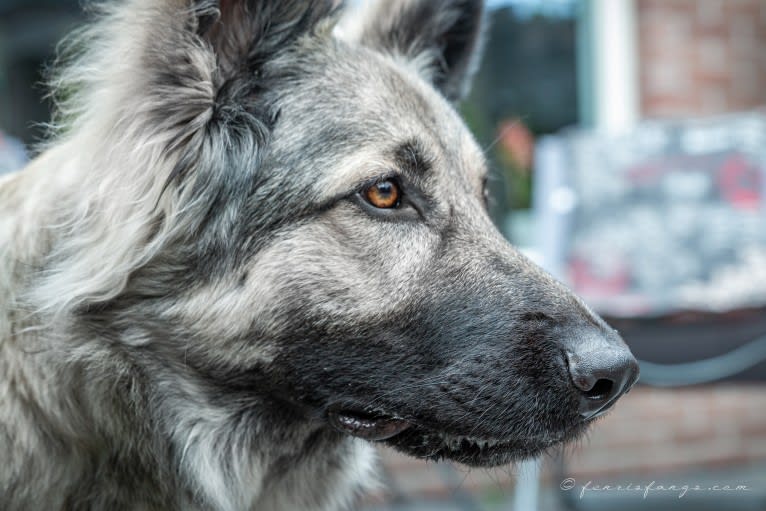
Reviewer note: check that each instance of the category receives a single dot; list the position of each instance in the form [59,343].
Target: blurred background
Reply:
[628,144]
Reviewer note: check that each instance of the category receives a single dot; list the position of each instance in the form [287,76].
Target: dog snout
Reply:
[601,373]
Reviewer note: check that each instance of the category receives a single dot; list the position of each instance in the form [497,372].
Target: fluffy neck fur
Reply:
[94,430]
[86,423]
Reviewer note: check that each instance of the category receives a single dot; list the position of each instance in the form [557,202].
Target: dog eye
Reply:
[384,194]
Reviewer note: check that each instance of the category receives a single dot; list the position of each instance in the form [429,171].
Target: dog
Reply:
[256,244]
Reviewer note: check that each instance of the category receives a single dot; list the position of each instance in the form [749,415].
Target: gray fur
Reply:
[190,282]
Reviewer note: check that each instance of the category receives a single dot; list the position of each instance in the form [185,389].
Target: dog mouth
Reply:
[371,427]
[434,443]
[475,451]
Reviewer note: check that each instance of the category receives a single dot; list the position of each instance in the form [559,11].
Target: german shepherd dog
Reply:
[257,243]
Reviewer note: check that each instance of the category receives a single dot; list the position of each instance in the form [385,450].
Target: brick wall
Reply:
[696,58]
[657,434]
[700,57]
[660,430]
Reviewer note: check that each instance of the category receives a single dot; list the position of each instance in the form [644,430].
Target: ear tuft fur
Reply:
[444,38]
[182,57]
[246,33]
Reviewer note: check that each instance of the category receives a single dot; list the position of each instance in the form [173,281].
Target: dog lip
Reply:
[365,426]
[430,443]
[456,443]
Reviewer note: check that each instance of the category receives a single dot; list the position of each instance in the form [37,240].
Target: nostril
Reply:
[600,377]
[601,390]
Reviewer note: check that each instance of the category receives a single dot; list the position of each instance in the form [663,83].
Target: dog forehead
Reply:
[352,99]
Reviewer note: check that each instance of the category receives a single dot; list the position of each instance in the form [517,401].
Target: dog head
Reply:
[290,208]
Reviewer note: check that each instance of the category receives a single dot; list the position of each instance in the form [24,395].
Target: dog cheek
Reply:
[354,268]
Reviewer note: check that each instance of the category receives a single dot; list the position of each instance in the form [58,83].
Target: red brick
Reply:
[709,12]
[651,432]
[699,57]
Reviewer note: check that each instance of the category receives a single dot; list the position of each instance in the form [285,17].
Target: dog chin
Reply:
[476,451]
[434,443]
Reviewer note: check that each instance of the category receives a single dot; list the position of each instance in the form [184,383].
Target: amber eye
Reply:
[383,194]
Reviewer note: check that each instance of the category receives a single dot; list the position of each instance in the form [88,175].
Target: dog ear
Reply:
[245,33]
[168,68]
[443,38]
[159,102]
[222,53]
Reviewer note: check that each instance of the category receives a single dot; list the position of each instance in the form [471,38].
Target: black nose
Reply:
[601,375]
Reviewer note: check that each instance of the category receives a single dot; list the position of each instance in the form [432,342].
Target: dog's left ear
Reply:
[243,34]
[442,38]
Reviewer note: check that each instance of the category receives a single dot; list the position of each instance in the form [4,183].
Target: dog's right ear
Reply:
[442,38]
